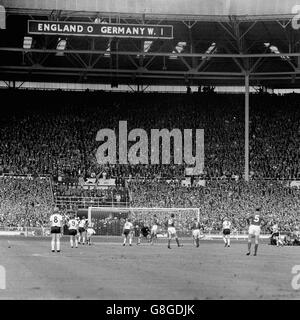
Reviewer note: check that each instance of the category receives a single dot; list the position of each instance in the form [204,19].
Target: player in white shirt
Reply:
[128,232]
[89,232]
[276,234]
[56,222]
[82,230]
[226,231]
[154,229]
[73,231]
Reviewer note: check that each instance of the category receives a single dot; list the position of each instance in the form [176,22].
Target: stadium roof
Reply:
[215,43]
[178,9]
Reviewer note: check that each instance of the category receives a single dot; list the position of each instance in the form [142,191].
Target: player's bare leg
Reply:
[73,240]
[152,237]
[225,240]
[83,238]
[277,241]
[169,241]
[256,245]
[53,242]
[88,239]
[280,243]
[177,241]
[194,241]
[228,240]
[249,244]
[130,238]
[124,240]
[58,242]
[139,239]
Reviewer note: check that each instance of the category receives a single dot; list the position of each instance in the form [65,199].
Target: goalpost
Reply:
[183,216]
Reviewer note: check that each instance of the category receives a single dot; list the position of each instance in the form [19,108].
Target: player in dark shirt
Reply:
[196,226]
[143,232]
[172,231]
[255,221]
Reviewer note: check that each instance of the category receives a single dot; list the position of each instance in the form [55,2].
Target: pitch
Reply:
[108,271]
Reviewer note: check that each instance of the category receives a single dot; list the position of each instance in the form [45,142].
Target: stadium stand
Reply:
[54,134]
[25,201]
[61,140]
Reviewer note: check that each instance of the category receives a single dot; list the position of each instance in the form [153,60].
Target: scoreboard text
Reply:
[100,30]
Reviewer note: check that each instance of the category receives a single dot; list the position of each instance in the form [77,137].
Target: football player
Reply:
[154,228]
[172,231]
[82,230]
[196,232]
[128,232]
[73,231]
[255,222]
[226,231]
[56,222]
[89,232]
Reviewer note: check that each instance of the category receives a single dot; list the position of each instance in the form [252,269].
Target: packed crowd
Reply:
[25,202]
[58,136]
[106,195]
[218,199]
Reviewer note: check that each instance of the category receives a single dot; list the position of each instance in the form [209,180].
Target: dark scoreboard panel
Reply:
[100,30]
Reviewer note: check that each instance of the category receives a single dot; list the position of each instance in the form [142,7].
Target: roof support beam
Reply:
[133,62]
[158,72]
[186,63]
[160,54]
[250,27]
[242,68]
[228,31]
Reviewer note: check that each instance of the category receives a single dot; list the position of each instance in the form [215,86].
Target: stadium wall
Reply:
[38,232]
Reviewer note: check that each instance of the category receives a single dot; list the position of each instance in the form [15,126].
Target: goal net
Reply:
[110,221]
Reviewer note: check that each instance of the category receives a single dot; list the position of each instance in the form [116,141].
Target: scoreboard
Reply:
[100,29]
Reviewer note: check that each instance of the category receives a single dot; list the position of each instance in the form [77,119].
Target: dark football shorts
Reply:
[126,232]
[81,230]
[226,232]
[72,232]
[55,230]
[276,234]
[144,232]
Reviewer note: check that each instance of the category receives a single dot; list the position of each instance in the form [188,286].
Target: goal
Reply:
[110,219]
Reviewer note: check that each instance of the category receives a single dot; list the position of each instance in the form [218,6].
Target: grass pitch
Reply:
[108,271]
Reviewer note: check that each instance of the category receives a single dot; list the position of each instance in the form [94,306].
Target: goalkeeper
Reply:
[144,232]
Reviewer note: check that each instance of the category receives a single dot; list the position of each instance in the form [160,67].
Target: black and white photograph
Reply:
[150,151]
